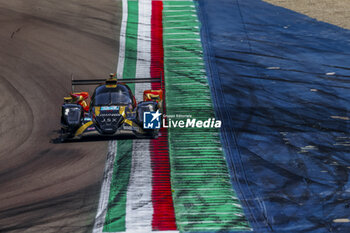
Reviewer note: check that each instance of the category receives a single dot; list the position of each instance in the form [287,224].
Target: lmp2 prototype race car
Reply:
[112,110]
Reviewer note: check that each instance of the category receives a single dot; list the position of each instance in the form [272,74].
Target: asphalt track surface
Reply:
[48,187]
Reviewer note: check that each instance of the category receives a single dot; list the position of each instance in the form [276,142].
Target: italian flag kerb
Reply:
[151,209]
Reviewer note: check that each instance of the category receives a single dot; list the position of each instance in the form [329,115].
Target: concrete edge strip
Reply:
[184,221]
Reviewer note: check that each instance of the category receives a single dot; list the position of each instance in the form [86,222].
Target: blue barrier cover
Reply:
[281,85]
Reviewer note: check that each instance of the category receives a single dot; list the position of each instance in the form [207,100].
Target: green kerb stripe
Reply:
[115,217]
[203,196]
[131,42]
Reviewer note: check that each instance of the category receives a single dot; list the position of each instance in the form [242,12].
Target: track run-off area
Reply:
[178,182]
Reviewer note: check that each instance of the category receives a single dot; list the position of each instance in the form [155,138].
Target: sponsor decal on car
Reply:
[109,115]
[106,108]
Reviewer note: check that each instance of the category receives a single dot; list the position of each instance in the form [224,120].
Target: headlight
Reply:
[72,114]
[67,110]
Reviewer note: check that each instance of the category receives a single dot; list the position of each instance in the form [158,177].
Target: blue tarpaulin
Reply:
[281,85]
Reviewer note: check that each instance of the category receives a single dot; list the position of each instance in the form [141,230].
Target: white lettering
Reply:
[181,124]
[174,123]
[206,123]
[164,123]
[190,123]
[210,123]
[218,124]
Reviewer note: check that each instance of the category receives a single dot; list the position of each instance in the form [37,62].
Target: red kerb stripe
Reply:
[164,215]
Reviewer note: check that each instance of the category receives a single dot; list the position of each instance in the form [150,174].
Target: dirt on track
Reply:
[335,12]
[47,187]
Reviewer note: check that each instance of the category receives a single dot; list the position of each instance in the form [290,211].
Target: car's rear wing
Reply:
[76,82]
[103,81]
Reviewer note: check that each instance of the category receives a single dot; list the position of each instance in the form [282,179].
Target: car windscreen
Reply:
[112,97]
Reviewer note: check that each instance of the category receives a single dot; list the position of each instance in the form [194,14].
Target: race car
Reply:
[112,110]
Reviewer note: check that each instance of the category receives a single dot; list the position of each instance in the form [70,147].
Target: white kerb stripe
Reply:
[121,59]
[143,63]
[139,207]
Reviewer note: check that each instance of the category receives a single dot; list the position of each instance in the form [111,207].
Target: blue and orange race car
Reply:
[112,110]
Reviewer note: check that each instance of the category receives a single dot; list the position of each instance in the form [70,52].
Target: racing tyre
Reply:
[64,135]
[153,134]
